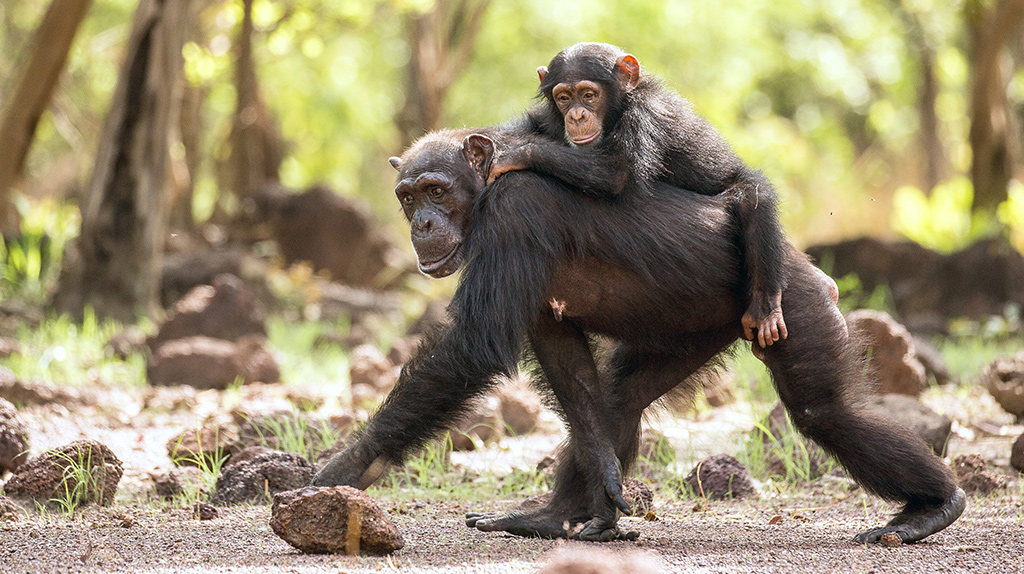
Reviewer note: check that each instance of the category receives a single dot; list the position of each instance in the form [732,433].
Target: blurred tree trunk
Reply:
[114,267]
[935,158]
[994,134]
[256,151]
[441,42]
[32,96]
[188,133]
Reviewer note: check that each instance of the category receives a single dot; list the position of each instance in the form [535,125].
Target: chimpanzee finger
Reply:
[783,331]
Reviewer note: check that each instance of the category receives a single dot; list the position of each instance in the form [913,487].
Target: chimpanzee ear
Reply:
[479,150]
[541,72]
[627,69]
[396,162]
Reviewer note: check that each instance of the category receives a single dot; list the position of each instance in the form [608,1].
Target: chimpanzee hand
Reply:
[515,159]
[766,327]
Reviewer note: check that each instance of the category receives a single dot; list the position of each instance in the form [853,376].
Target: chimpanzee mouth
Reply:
[585,140]
[438,267]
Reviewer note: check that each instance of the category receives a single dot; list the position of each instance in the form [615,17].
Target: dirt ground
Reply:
[805,529]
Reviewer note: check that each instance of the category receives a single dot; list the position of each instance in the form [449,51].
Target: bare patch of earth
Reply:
[793,529]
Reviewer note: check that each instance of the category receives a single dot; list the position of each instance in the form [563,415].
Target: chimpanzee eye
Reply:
[436,192]
[589,96]
[563,99]
[406,198]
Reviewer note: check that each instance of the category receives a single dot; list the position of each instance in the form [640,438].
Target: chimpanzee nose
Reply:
[424,222]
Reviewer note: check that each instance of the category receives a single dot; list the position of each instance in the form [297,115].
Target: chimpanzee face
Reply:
[436,188]
[583,106]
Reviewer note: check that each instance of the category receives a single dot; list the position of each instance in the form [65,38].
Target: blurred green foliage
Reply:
[822,95]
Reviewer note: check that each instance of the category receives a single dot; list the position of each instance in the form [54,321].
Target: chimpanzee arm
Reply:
[592,171]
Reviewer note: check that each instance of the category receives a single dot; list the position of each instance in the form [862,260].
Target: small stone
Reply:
[483,424]
[638,495]
[1017,454]
[52,474]
[371,368]
[204,511]
[890,539]
[9,510]
[259,478]
[720,476]
[934,428]
[176,481]
[333,520]
[975,477]
[13,438]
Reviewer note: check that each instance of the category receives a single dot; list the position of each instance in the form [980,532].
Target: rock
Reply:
[32,393]
[8,347]
[206,446]
[13,438]
[482,424]
[207,363]
[638,495]
[225,310]
[890,349]
[403,348]
[186,270]
[286,430]
[9,510]
[1004,379]
[720,476]
[891,540]
[974,475]
[934,428]
[53,474]
[247,454]
[520,406]
[932,360]
[718,387]
[177,481]
[435,313]
[1017,454]
[127,342]
[371,368]
[204,511]
[784,441]
[593,560]
[262,476]
[333,520]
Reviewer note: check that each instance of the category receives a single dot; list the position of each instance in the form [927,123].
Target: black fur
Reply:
[668,293]
[651,134]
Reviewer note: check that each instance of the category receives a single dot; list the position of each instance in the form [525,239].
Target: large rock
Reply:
[481,425]
[334,233]
[202,446]
[13,438]
[36,393]
[225,310]
[207,363]
[177,481]
[336,520]
[520,406]
[85,465]
[891,351]
[259,478]
[720,476]
[1004,379]
[369,367]
[638,494]
[934,428]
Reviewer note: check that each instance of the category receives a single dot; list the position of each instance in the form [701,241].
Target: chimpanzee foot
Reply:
[914,525]
[543,523]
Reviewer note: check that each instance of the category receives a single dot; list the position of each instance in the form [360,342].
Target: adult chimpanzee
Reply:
[606,127]
[660,276]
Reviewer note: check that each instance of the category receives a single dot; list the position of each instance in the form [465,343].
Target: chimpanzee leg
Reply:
[588,487]
[815,371]
[637,379]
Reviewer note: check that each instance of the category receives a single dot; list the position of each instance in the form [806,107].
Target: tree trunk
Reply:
[32,96]
[115,265]
[256,150]
[441,42]
[994,134]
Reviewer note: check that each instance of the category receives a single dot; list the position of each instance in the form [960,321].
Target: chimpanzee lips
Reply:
[440,267]
[585,140]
